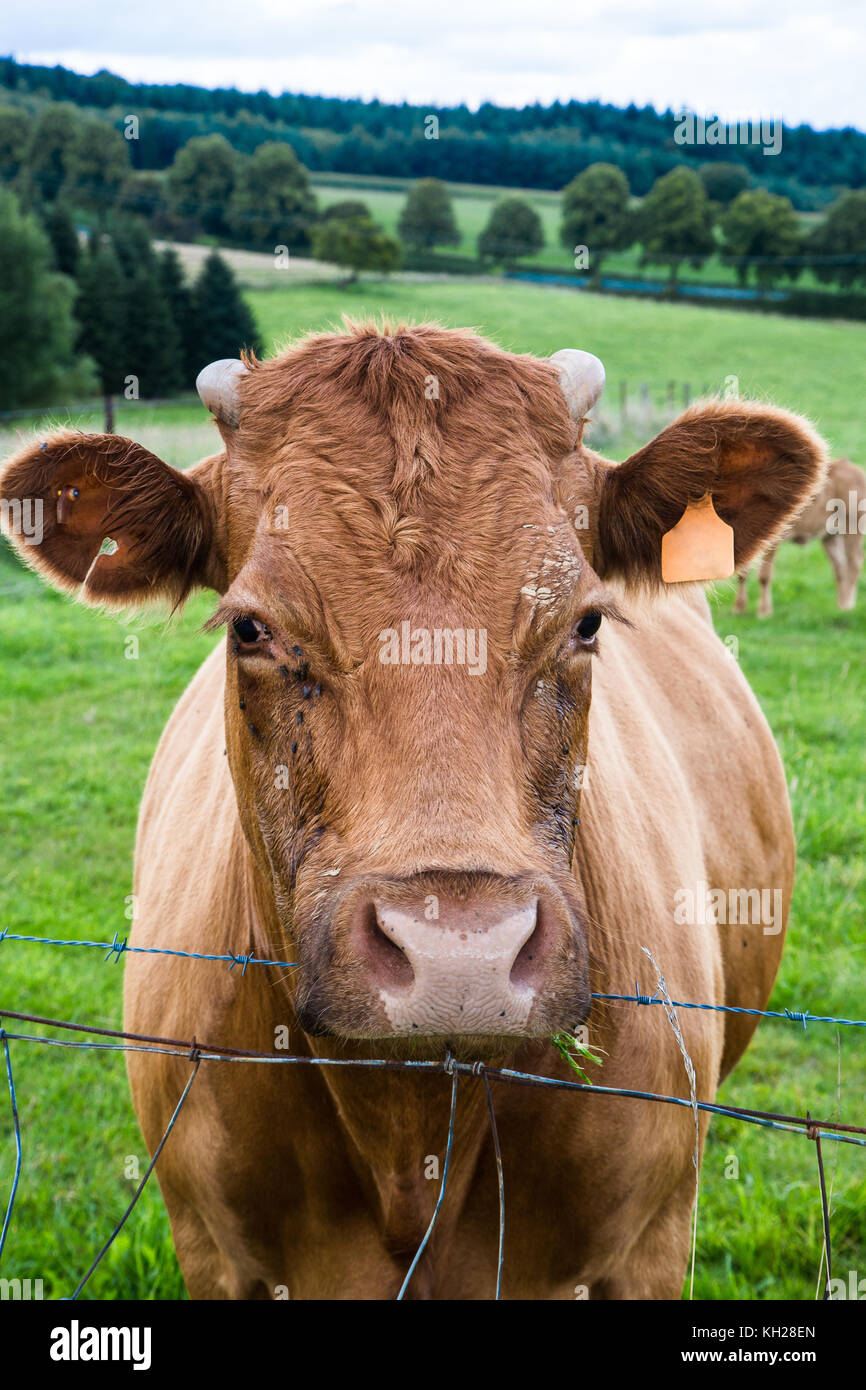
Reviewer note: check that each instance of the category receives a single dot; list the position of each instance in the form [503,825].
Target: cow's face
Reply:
[411,629]
[412,549]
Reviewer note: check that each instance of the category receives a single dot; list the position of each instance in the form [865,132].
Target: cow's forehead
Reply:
[367,571]
[411,469]
[414,414]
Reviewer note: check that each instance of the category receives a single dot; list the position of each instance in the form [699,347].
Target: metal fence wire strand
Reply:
[500,1180]
[825,1211]
[17,1130]
[196,1053]
[828,1129]
[196,1063]
[671,1013]
[449,1066]
[119,947]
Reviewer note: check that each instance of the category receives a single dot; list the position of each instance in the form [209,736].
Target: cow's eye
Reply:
[250,632]
[585,630]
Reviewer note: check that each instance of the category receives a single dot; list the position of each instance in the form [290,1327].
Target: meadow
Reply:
[79,723]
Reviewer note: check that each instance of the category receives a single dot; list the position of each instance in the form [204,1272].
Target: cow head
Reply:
[416,556]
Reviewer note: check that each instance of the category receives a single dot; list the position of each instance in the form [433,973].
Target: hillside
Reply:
[532,146]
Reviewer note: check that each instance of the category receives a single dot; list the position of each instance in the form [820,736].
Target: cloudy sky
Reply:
[799,60]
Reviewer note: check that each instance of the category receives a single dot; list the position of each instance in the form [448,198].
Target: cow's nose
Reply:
[471,968]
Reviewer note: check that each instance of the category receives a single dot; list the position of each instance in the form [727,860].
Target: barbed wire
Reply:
[120,946]
[124,1041]
[815,1130]
[216,1052]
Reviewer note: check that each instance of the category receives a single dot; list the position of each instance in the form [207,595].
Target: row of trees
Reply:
[679,220]
[148,331]
[685,218]
[110,314]
[532,146]
[58,154]
[265,200]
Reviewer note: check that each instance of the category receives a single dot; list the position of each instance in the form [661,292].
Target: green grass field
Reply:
[810,365]
[79,722]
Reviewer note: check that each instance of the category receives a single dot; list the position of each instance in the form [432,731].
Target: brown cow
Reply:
[456,853]
[837,516]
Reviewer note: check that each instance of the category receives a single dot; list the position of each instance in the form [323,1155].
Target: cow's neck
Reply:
[393,1124]
[395,1127]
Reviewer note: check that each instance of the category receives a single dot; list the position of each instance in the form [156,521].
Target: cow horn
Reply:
[581,377]
[217,384]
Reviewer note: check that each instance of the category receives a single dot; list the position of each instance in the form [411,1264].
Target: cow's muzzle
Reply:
[448,955]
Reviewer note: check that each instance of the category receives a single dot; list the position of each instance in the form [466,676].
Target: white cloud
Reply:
[739,59]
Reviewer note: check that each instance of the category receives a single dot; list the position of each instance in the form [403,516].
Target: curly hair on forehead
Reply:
[431,393]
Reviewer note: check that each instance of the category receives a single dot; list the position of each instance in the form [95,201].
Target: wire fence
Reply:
[197,1052]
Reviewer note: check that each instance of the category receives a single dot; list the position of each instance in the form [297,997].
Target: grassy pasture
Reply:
[79,722]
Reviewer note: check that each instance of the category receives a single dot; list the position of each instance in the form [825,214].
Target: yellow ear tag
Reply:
[700,546]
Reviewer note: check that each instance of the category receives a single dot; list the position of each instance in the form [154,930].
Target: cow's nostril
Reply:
[528,962]
[389,961]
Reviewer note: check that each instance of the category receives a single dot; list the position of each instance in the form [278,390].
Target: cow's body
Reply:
[315,1179]
[456,855]
[835,516]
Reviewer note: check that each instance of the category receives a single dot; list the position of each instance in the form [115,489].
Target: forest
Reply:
[531,147]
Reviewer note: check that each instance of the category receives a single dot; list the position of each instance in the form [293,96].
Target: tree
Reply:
[223,324]
[51,153]
[346,210]
[141,195]
[723,182]
[839,242]
[427,218]
[131,241]
[357,243]
[596,214]
[513,230]
[761,224]
[272,203]
[152,349]
[201,180]
[127,316]
[99,165]
[37,329]
[60,227]
[15,129]
[179,299]
[146,195]
[99,309]
[676,222]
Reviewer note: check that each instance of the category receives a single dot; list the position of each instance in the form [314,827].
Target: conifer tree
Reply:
[223,323]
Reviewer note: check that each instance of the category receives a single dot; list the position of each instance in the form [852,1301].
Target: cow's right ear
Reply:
[759,465]
[109,521]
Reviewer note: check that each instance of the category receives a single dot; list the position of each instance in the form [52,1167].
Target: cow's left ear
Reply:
[109,521]
[759,464]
